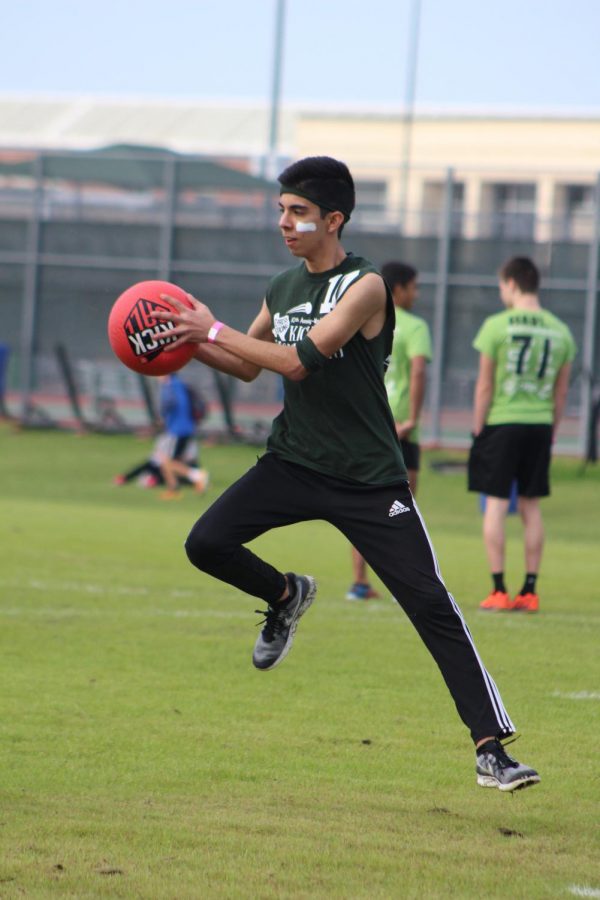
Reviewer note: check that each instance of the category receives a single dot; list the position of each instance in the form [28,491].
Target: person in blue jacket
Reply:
[180,426]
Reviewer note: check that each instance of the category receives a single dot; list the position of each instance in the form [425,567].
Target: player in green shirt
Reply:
[326,325]
[405,384]
[525,363]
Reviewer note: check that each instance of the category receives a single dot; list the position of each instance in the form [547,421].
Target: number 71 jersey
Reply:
[529,348]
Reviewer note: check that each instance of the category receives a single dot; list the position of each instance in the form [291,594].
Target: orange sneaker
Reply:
[526,603]
[171,495]
[497,601]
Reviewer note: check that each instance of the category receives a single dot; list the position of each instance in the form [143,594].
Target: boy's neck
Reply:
[325,259]
[526,301]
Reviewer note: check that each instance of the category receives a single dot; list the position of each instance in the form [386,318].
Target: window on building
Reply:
[574,212]
[432,208]
[509,211]
[371,195]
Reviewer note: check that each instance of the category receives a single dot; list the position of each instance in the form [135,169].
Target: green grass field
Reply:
[144,757]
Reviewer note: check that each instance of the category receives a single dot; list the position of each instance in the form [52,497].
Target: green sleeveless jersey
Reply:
[337,420]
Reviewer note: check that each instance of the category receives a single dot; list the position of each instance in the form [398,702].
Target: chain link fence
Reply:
[77,229]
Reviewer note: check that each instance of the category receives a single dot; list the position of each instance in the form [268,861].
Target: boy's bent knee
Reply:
[203,550]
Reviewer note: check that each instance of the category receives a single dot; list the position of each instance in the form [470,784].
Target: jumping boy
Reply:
[326,326]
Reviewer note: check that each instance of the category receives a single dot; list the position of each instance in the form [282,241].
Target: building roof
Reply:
[187,126]
[217,127]
[135,168]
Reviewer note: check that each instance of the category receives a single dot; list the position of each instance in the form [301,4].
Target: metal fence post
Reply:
[440,306]
[30,288]
[165,250]
[588,351]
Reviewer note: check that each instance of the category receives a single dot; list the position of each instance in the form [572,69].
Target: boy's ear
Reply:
[336,220]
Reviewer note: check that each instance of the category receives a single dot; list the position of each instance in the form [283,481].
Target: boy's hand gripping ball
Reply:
[138,339]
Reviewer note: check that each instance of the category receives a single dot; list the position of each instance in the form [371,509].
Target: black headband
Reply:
[325,193]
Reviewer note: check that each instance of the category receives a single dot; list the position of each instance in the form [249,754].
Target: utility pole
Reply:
[270,158]
[412,57]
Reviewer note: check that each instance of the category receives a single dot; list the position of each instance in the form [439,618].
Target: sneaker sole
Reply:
[491,782]
[302,607]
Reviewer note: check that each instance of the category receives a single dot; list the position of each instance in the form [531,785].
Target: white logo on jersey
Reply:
[338,285]
[396,508]
[280,326]
[301,308]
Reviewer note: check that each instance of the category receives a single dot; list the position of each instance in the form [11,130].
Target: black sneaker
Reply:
[496,769]
[281,620]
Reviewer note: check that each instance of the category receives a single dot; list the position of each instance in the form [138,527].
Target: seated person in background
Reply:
[180,427]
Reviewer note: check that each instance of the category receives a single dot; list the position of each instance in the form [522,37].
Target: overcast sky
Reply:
[529,54]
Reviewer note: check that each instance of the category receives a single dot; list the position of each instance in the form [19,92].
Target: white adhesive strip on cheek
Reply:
[306,226]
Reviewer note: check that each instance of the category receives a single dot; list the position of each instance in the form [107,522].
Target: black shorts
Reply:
[412,455]
[180,446]
[501,454]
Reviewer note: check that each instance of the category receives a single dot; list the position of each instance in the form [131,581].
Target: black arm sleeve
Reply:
[311,358]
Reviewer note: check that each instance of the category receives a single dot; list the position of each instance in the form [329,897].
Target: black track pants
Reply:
[384,524]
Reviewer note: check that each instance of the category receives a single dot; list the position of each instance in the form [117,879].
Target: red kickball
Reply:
[137,338]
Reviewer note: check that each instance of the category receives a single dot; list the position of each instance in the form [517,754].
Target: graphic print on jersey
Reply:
[531,365]
[291,327]
[338,285]
[305,308]
[318,426]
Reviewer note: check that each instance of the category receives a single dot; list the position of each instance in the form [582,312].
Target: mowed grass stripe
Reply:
[143,756]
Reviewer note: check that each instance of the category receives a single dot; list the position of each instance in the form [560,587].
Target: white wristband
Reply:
[213,332]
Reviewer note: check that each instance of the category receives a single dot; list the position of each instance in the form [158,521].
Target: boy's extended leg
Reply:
[390,533]
[400,552]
